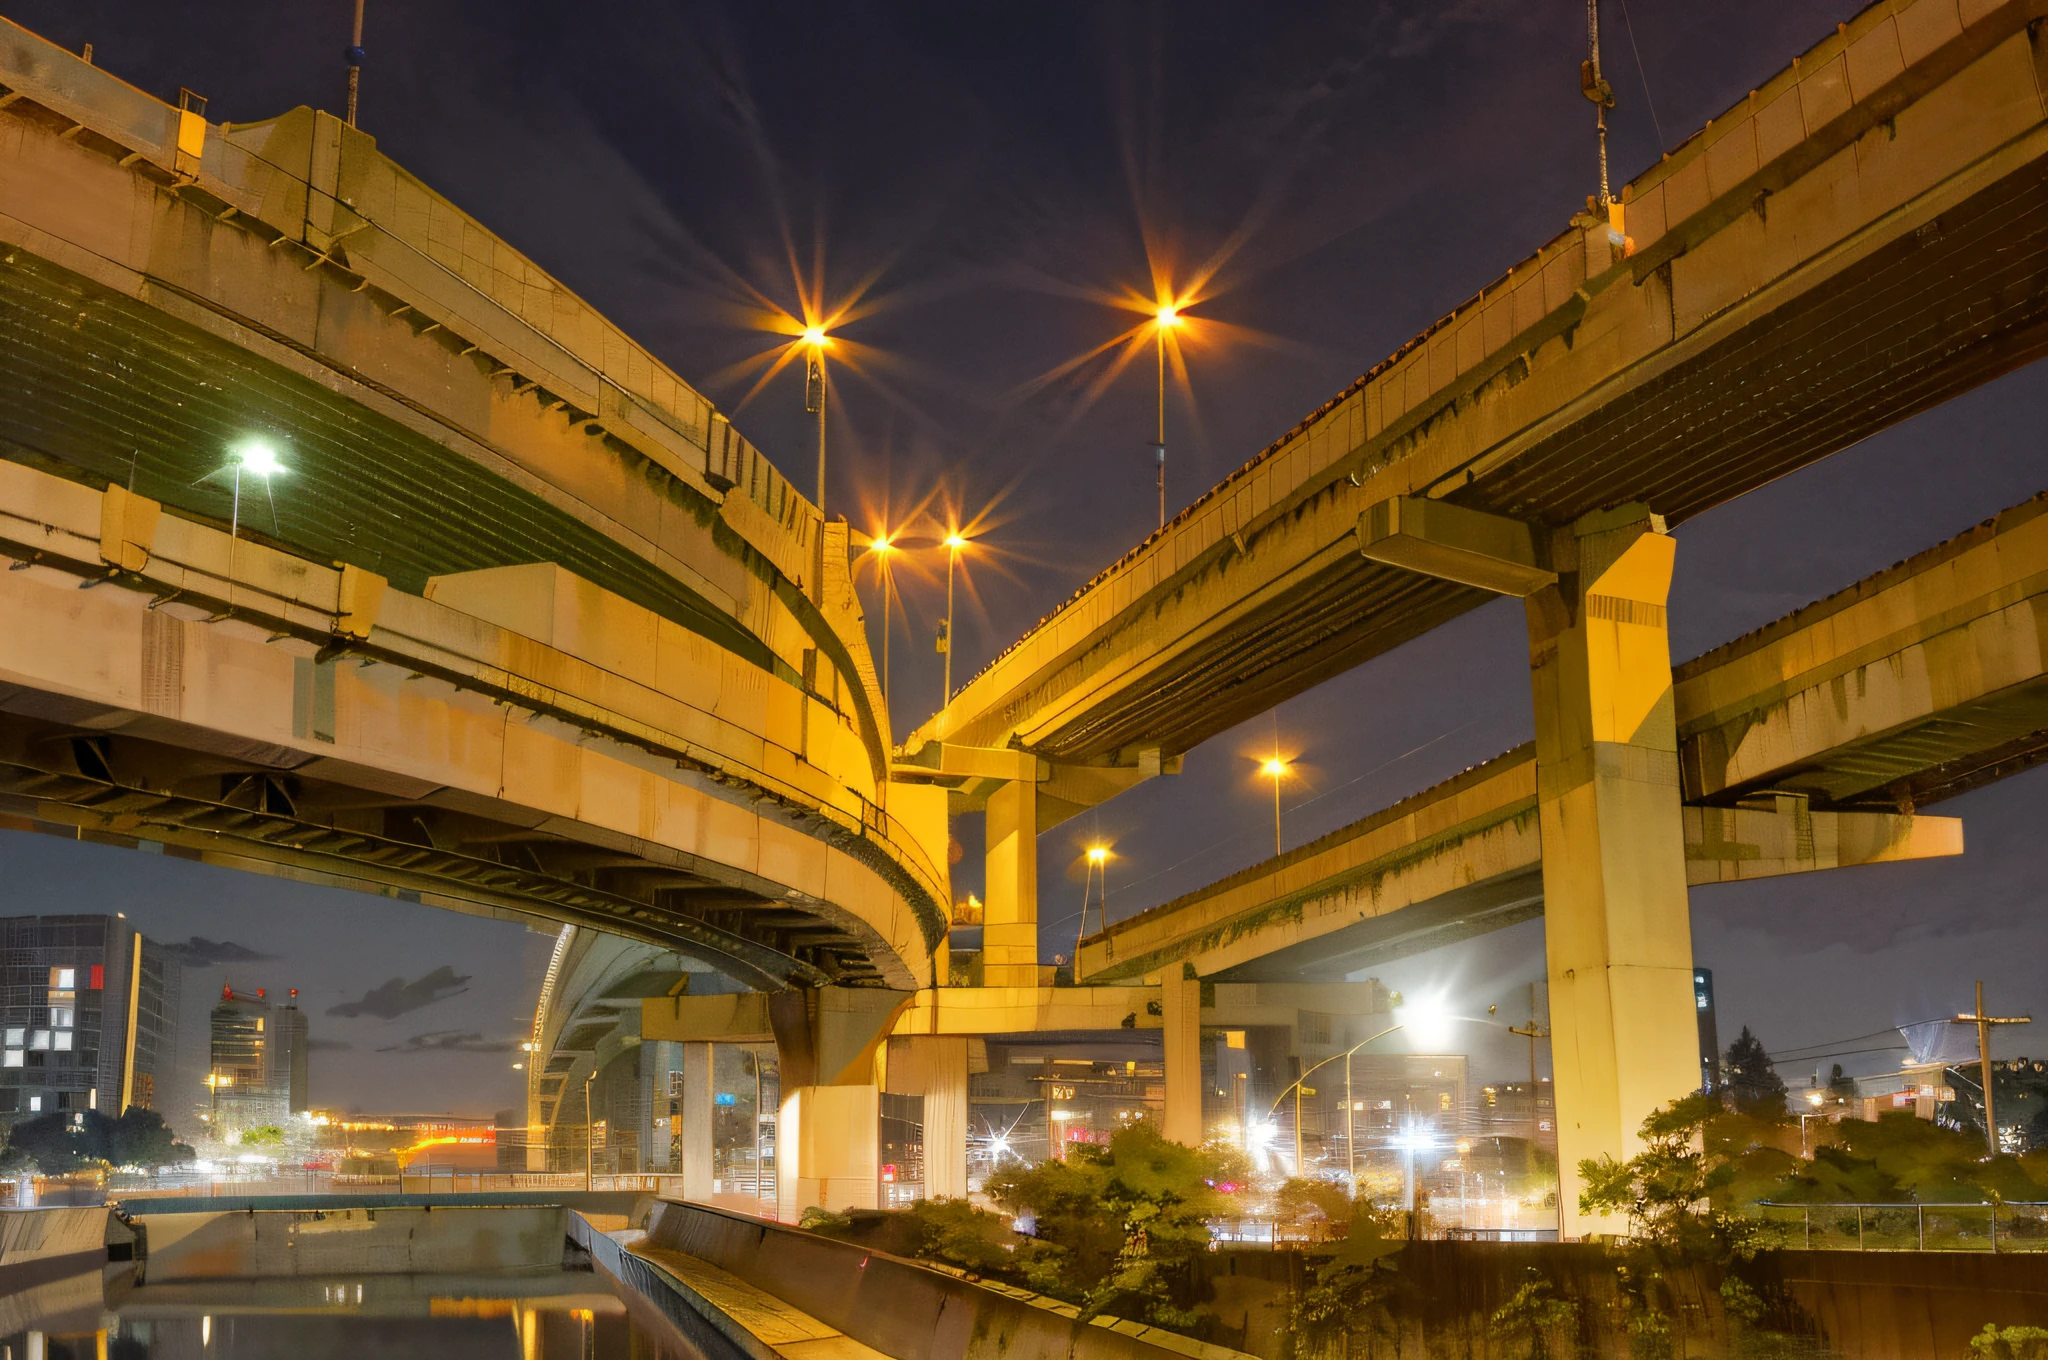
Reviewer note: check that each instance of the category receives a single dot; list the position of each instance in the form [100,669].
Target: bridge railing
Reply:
[1992,1226]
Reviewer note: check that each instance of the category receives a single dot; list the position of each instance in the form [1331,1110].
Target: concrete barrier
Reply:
[39,1234]
[256,1244]
[899,1307]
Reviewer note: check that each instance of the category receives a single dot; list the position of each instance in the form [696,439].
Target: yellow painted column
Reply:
[1180,1004]
[1617,933]
[699,1097]
[1009,940]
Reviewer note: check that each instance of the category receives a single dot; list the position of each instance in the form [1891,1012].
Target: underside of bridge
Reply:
[522,626]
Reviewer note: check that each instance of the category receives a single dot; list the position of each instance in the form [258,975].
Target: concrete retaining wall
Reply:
[899,1307]
[277,1242]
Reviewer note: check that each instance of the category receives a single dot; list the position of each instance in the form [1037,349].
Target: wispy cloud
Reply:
[200,952]
[389,1000]
[450,1041]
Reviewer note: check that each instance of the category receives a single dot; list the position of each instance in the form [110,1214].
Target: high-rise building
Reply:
[256,1072]
[1710,1038]
[88,1016]
[288,1055]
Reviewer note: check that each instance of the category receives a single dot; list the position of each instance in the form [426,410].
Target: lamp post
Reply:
[817,342]
[1276,770]
[1164,320]
[1295,1088]
[1098,862]
[954,543]
[589,1128]
[881,547]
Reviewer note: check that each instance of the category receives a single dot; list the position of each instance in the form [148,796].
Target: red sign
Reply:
[888,1173]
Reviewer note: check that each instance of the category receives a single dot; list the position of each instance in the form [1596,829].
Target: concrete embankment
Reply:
[899,1307]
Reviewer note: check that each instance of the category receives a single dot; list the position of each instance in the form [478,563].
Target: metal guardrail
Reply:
[1990,1226]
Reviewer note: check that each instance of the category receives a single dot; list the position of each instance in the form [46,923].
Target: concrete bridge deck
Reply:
[523,626]
[1861,238]
[1802,746]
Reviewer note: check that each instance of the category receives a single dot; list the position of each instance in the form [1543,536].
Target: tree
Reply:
[1536,1318]
[61,1143]
[1752,1081]
[141,1138]
[1302,1202]
[1347,1294]
[1119,1223]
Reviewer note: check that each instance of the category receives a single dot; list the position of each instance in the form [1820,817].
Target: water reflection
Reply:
[566,1316]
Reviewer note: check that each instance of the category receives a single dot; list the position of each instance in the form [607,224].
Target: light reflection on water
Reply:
[571,1316]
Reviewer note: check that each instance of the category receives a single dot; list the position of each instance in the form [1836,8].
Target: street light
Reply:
[1163,320]
[1275,769]
[817,342]
[1098,862]
[881,546]
[954,544]
[1350,1156]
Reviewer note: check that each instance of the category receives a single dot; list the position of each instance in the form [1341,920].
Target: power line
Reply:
[1643,76]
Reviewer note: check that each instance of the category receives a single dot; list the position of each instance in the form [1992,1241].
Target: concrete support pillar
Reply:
[934,1066]
[694,1153]
[1180,1004]
[1009,956]
[1616,926]
[827,1150]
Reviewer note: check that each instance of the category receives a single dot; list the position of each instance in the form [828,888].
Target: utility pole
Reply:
[354,57]
[1984,1023]
[1532,1032]
[1595,87]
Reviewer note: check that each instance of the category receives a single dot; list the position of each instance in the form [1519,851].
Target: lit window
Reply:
[64,1043]
[40,1039]
[1443,1100]
[63,979]
[16,1037]
[12,1058]
[35,1104]
[61,1017]
[259,1024]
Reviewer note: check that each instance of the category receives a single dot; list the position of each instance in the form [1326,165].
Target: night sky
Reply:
[985,182]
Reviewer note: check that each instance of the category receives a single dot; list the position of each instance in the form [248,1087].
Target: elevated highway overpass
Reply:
[1806,744]
[524,627]
[1861,238]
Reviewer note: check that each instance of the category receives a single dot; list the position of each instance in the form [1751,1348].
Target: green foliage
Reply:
[1347,1294]
[1535,1318]
[825,1222]
[263,1136]
[954,1231]
[1302,1201]
[1752,1081]
[2010,1343]
[1115,1226]
[1666,1191]
[59,1143]
[1933,1164]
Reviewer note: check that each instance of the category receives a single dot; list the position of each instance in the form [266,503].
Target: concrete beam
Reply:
[1023,1010]
[1549,394]
[1915,684]
[1731,845]
[1453,543]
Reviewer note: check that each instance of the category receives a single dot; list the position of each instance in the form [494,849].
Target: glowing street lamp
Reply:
[954,545]
[817,342]
[1163,320]
[1098,863]
[1275,769]
[881,546]
[258,459]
